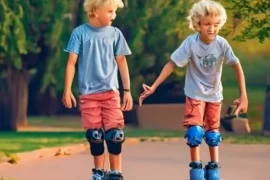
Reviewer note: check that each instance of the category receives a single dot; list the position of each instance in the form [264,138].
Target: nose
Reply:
[211,28]
[114,15]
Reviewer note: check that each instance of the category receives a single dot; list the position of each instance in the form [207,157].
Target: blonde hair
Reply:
[205,8]
[90,5]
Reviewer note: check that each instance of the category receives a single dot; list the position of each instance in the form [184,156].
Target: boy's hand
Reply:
[127,102]
[147,92]
[242,105]
[69,100]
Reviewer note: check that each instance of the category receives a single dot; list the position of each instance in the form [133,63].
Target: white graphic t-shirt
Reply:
[204,66]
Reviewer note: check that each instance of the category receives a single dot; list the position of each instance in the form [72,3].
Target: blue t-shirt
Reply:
[97,48]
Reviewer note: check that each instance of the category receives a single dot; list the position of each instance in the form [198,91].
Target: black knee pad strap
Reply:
[96,139]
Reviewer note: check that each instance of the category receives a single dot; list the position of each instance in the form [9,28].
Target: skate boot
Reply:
[196,172]
[112,175]
[212,171]
[98,174]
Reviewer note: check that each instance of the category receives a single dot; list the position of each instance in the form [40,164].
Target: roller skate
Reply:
[196,172]
[98,174]
[212,171]
[112,175]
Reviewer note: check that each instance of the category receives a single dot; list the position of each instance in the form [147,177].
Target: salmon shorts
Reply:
[203,114]
[101,110]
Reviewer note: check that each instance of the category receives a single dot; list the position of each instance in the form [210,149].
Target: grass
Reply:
[246,139]
[13,142]
[28,141]
[56,121]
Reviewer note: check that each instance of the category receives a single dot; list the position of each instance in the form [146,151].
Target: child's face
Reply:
[209,27]
[106,14]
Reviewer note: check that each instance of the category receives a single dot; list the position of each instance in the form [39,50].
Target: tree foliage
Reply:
[257,14]
[13,39]
[30,34]
[154,29]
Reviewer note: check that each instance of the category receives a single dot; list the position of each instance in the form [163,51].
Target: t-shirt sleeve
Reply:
[182,54]
[74,44]
[228,54]
[121,46]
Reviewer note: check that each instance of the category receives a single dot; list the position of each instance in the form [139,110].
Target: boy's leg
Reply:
[113,120]
[213,138]
[95,137]
[194,112]
[92,122]
[114,139]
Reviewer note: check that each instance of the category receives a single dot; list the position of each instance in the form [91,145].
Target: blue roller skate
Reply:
[98,174]
[212,171]
[196,172]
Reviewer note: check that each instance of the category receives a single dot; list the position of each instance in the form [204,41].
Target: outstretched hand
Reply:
[147,92]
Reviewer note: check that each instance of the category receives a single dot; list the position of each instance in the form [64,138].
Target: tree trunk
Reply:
[15,108]
[266,124]
[5,123]
[75,13]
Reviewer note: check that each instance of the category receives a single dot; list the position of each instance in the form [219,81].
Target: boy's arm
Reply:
[68,97]
[242,102]
[70,71]
[123,69]
[240,78]
[166,71]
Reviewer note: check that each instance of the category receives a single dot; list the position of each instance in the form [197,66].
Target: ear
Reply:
[198,27]
[93,13]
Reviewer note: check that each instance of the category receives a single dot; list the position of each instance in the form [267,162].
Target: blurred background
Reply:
[33,34]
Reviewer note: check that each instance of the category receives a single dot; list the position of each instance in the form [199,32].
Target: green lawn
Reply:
[13,142]
[28,141]
[56,121]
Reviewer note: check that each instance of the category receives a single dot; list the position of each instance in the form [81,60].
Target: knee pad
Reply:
[96,139]
[212,138]
[194,136]
[114,139]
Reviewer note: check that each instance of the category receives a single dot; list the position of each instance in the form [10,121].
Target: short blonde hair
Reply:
[89,5]
[205,8]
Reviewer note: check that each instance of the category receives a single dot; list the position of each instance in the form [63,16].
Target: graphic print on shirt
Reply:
[207,61]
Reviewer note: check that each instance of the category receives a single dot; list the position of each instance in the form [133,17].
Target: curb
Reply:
[45,153]
[68,150]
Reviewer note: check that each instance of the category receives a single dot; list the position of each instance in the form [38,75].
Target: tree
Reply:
[53,79]
[29,36]
[153,29]
[257,14]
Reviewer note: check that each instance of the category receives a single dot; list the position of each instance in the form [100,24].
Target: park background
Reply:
[33,35]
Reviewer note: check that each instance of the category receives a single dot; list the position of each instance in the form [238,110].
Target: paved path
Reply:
[150,161]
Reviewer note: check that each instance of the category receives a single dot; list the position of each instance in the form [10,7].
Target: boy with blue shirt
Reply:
[100,50]
[204,53]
